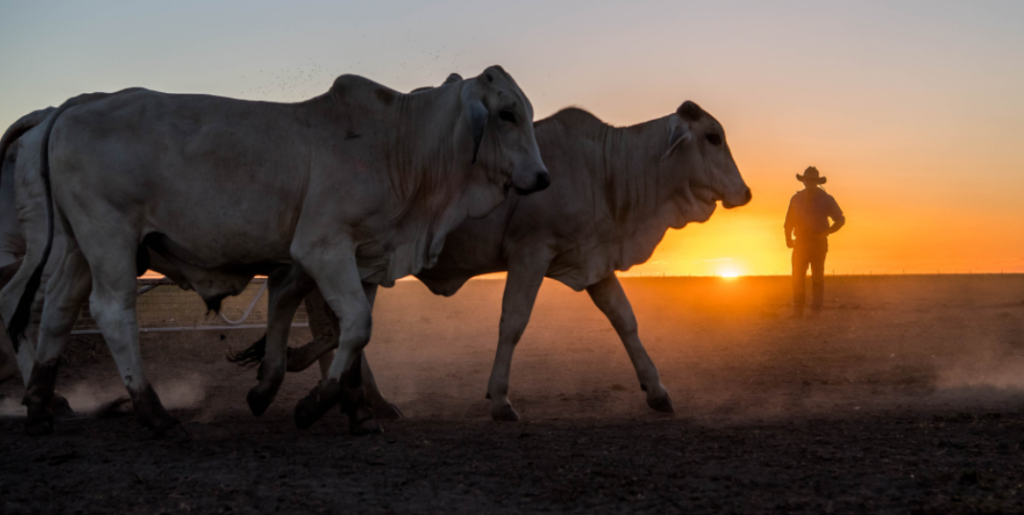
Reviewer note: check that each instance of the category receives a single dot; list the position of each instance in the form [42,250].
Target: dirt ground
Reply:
[905,396]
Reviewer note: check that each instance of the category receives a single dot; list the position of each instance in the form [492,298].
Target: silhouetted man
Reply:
[808,215]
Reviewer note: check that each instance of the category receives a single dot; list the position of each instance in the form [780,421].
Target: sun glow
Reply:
[728,274]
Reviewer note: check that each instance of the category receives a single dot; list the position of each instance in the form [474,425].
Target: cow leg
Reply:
[10,365]
[26,356]
[112,303]
[609,297]
[325,362]
[341,286]
[325,326]
[20,362]
[362,419]
[66,291]
[382,408]
[287,285]
[524,279]
[8,358]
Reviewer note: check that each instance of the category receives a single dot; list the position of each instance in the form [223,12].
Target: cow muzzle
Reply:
[528,183]
[741,199]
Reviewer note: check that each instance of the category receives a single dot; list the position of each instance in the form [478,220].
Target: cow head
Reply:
[498,125]
[697,162]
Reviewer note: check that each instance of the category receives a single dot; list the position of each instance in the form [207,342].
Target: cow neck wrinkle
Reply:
[627,186]
[630,170]
[424,178]
[637,199]
[418,144]
[423,175]
[421,168]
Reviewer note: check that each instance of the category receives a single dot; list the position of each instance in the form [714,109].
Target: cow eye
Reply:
[508,116]
[714,139]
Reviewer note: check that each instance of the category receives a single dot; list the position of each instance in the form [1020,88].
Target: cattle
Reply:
[11,253]
[24,139]
[358,187]
[615,193]
[12,237]
[22,199]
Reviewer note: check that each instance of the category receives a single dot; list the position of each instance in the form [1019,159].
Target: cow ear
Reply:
[679,135]
[474,110]
[476,115]
[453,78]
[477,122]
[690,111]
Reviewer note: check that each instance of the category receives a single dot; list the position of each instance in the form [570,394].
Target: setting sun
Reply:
[729,274]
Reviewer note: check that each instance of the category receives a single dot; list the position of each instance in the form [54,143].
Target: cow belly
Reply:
[213,285]
[216,177]
[578,270]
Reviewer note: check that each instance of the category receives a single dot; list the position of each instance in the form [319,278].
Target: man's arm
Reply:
[838,220]
[837,225]
[788,226]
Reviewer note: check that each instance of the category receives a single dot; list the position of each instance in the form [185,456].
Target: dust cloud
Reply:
[185,393]
[726,351]
[11,407]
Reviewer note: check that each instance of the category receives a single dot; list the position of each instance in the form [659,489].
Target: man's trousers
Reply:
[809,253]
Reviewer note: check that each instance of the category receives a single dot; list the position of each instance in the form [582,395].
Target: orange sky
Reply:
[914,110]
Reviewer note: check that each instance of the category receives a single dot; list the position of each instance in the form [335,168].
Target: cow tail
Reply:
[250,356]
[19,128]
[22,315]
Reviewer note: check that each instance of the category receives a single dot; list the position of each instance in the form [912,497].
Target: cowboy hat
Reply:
[811,175]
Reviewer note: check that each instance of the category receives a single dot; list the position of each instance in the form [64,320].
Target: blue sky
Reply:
[905,104]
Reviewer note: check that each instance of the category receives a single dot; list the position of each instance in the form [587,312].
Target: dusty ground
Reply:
[905,396]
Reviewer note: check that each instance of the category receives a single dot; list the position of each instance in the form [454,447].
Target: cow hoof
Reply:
[366,426]
[505,413]
[41,426]
[662,404]
[309,410]
[315,405]
[258,403]
[9,372]
[113,408]
[173,432]
[164,425]
[387,411]
[61,407]
[152,413]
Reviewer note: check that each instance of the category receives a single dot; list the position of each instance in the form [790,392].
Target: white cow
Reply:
[12,249]
[615,193]
[13,208]
[22,219]
[23,198]
[358,186]
[20,150]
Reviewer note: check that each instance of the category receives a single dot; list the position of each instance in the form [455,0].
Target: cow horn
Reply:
[477,122]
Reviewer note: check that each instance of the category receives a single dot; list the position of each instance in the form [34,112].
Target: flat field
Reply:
[906,395]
